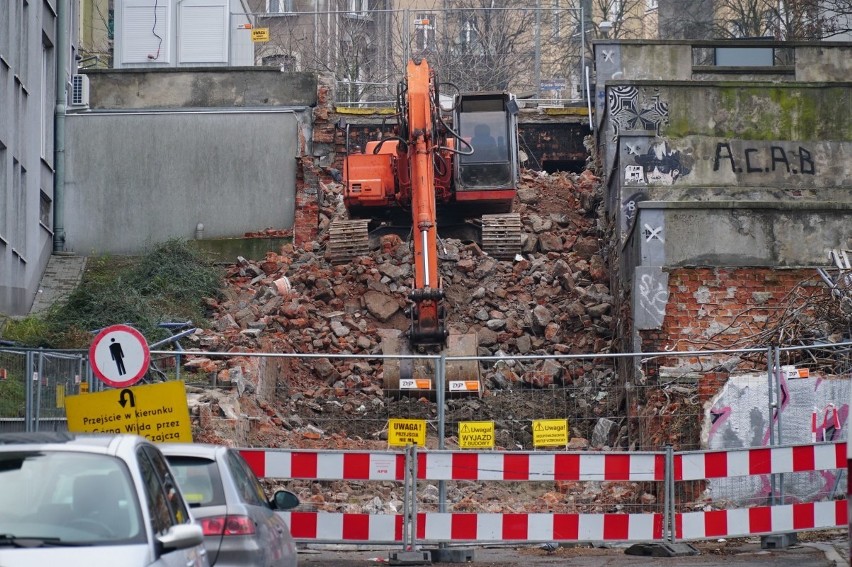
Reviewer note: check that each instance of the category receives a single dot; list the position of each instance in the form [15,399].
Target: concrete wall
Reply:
[27,161]
[233,87]
[141,178]
[726,186]
[160,151]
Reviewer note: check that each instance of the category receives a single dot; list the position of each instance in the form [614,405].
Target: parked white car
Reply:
[83,500]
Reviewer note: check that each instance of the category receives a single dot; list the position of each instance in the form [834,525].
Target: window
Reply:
[557,21]
[615,8]
[468,33]
[424,27]
[359,8]
[165,505]
[279,6]
[47,88]
[44,210]
[248,487]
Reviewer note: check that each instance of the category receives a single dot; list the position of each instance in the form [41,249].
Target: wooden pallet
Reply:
[347,240]
[501,235]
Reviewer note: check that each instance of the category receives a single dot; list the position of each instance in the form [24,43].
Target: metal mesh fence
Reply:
[670,392]
[13,400]
[712,400]
[33,386]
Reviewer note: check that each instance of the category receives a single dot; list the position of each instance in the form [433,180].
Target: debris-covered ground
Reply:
[554,298]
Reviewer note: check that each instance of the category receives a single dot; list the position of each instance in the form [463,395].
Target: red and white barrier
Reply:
[554,466]
[744,462]
[456,465]
[517,466]
[761,520]
[326,465]
[452,527]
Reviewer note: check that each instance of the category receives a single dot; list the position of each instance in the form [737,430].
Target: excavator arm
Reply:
[427,324]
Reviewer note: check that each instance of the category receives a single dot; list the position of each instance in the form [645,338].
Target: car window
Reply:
[199,480]
[248,487]
[164,502]
[76,497]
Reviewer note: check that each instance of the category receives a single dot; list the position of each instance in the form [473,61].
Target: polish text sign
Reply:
[476,434]
[550,432]
[403,432]
[156,411]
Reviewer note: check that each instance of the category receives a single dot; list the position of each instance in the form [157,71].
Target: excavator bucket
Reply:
[418,376]
[463,375]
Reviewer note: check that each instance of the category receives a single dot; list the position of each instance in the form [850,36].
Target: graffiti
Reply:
[662,165]
[634,174]
[629,210]
[632,149]
[651,233]
[765,160]
[653,297]
[740,416]
[608,55]
[631,110]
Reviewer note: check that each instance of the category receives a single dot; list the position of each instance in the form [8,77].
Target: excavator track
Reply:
[347,239]
[501,235]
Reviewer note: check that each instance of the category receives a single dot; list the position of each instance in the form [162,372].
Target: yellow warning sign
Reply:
[476,434]
[259,34]
[155,411]
[402,432]
[550,432]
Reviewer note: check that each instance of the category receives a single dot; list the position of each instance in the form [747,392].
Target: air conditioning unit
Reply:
[80,90]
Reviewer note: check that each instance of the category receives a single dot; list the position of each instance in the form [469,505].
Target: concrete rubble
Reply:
[552,299]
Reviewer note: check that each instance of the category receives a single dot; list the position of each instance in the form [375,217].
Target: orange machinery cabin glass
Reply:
[489,166]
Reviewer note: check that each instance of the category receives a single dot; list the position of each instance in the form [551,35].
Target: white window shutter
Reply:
[203,31]
[141,23]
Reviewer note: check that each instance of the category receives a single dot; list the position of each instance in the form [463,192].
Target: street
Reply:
[829,552]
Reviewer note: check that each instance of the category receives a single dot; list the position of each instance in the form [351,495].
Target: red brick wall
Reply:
[308,174]
[715,308]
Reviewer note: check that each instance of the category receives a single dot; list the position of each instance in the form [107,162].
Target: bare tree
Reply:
[785,20]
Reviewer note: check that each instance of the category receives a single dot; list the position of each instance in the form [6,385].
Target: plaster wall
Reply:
[232,87]
[735,234]
[134,179]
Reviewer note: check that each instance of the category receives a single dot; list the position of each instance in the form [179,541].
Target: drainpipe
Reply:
[63,48]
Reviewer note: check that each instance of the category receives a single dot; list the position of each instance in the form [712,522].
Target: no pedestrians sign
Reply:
[119,356]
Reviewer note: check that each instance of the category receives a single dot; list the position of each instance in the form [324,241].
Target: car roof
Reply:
[65,441]
[204,450]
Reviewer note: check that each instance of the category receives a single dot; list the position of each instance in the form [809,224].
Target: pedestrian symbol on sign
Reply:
[118,356]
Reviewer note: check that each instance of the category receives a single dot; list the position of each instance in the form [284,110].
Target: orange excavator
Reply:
[435,164]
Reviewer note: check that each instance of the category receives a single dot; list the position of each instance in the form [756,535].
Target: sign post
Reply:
[119,356]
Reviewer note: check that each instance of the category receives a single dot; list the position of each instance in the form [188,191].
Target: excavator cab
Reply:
[487,163]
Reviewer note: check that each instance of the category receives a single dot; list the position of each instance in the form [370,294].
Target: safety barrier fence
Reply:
[767,398]
[664,469]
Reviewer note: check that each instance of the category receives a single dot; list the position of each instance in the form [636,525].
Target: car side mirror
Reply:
[284,500]
[181,536]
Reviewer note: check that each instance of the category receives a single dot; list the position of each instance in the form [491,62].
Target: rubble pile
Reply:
[553,298]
